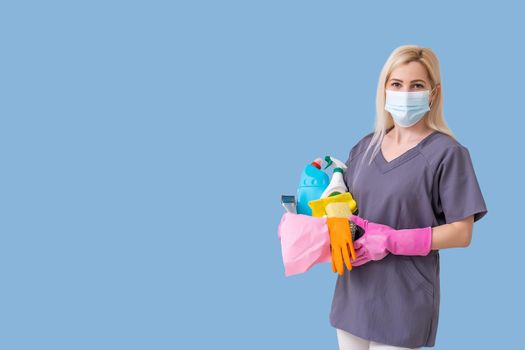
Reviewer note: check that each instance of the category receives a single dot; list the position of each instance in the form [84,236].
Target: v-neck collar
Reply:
[409,154]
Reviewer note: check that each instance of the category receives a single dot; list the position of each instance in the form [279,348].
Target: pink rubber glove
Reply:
[379,240]
[305,241]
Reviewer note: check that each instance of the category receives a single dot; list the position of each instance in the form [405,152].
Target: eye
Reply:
[395,84]
[419,86]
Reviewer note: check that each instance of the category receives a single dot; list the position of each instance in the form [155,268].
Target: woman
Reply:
[411,179]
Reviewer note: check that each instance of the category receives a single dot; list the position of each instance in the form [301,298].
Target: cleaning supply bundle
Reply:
[320,231]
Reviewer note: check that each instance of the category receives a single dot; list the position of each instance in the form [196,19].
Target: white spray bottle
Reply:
[337,184]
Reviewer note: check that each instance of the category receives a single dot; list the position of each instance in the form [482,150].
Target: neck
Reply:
[402,136]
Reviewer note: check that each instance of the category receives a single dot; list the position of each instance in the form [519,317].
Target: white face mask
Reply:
[407,107]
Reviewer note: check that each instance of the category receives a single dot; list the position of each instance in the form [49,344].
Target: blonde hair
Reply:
[434,119]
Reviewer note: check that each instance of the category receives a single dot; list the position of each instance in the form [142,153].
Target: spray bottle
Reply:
[312,184]
[337,184]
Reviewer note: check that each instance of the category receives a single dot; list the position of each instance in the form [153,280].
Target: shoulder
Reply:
[360,146]
[441,148]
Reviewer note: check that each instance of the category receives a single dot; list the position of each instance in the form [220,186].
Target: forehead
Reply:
[409,71]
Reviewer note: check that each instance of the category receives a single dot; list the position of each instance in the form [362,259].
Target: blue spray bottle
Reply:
[313,183]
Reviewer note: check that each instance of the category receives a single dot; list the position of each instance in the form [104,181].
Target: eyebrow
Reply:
[413,81]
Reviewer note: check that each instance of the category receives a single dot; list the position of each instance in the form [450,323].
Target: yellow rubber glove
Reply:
[340,243]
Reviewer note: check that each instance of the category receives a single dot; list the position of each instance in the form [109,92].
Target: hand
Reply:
[380,240]
[373,244]
[340,243]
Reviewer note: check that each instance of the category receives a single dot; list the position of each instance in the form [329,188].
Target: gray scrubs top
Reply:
[395,300]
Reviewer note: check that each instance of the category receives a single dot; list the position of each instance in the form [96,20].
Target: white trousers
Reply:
[348,341]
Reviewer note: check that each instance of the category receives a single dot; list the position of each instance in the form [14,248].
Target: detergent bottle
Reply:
[313,182]
[337,184]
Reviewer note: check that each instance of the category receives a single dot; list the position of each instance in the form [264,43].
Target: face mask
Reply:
[407,108]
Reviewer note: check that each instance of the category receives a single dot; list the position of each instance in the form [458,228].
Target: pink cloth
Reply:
[305,241]
[380,240]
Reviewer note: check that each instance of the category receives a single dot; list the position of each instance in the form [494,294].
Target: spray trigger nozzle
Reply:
[328,161]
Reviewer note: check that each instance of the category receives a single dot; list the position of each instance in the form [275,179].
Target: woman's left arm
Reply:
[457,234]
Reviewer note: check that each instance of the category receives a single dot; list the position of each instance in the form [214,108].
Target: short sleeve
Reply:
[458,188]
[351,156]
[351,161]
[358,148]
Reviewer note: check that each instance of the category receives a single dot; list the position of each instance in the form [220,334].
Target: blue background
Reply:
[145,145]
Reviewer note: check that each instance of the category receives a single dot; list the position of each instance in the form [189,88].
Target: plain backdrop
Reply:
[144,146]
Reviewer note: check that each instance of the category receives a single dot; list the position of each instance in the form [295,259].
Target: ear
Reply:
[437,89]
[434,93]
